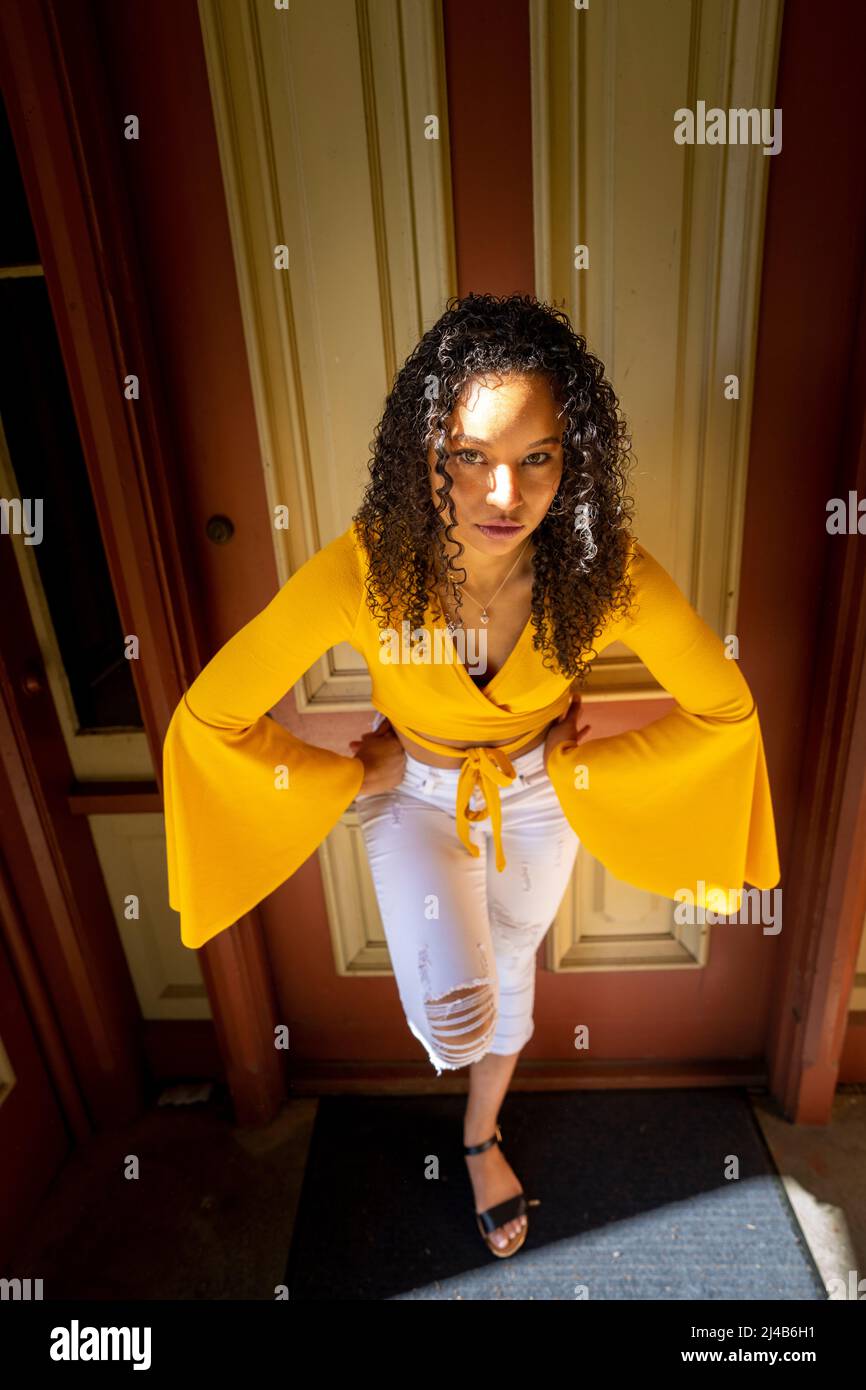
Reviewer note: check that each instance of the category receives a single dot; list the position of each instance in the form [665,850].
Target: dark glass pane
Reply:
[17,238]
[44,447]
[45,451]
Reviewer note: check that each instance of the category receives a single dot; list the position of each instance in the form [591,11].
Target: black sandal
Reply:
[509,1210]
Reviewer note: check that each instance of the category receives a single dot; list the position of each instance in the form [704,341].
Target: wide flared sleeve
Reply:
[681,807]
[246,802]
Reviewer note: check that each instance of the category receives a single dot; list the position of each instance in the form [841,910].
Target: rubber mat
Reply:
[637,1202]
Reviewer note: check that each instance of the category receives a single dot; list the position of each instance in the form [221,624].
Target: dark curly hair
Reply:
[581,544]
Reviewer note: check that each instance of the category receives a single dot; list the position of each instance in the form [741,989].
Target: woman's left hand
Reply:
[566,730]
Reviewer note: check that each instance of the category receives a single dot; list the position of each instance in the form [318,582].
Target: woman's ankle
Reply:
[479,1133]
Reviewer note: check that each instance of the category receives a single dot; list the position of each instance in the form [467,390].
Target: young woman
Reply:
[490,561]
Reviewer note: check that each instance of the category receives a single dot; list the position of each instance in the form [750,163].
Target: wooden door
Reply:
[371,261]
[670,304]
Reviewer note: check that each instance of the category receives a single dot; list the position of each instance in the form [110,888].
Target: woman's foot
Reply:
[494,1181]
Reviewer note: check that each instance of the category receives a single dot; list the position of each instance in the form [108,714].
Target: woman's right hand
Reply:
[384,759]
[565,728]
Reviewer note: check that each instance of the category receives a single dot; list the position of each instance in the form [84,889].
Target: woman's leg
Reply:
[432,899]
[540,849]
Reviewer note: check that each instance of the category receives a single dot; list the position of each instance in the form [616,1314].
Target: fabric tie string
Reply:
[487,769]
[484,769]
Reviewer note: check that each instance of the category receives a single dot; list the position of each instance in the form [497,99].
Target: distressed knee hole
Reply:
[463,1023]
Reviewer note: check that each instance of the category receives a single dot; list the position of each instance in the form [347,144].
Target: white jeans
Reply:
[456,926]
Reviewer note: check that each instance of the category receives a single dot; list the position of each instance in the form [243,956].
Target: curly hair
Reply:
[581,544]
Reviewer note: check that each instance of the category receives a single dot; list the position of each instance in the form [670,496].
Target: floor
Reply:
[823,1168]
[208,1208]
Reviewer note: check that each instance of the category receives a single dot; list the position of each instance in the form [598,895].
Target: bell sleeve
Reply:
[246,802]
[682,806]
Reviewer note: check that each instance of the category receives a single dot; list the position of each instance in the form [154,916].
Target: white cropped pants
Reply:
[462,936]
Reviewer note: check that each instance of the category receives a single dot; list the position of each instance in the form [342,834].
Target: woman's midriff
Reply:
[424,755]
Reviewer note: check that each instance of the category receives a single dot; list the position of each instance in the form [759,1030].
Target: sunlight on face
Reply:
[505,458]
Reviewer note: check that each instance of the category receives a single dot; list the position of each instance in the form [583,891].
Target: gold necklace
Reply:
[485,616]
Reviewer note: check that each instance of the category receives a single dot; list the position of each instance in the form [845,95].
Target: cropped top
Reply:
[683,803]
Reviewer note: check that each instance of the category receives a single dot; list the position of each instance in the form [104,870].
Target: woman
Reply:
[490,562]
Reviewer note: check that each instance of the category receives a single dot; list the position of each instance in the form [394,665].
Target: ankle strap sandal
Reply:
[509,1210]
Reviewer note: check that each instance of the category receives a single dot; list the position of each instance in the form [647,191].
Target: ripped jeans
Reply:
[462,936]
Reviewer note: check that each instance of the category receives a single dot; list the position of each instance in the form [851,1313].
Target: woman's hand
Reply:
[565,729]
[384,759]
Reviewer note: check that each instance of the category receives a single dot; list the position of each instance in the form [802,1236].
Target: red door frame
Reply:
[825,888]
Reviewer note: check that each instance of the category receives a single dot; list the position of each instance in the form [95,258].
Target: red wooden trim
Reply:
[852,1063]
[114,798]
[62,935]
[41,1009]
[68,138]
[490,141]
[825,893]
[181,1048]
[824,884]
[417,1078]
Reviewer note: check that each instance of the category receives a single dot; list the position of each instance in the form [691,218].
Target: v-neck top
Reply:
[681,806]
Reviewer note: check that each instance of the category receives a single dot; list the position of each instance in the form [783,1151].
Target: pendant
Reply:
[484,618]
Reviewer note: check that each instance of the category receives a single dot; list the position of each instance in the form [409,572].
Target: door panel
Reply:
[667,295]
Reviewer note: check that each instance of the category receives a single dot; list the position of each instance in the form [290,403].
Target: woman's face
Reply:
[505,458]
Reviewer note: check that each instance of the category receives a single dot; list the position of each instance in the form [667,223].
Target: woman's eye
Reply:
[462,454]
[474,456]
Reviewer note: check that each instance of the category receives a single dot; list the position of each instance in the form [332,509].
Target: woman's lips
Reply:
[493,530]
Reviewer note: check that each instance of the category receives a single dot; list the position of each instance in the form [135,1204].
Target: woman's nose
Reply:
[504,490]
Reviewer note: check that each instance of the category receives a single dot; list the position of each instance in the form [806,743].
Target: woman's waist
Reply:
[518,733]
[525,763]
[452,760]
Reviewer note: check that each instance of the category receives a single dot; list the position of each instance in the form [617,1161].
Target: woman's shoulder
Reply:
[651,582]
[645,594]
[340,561]
[329,580]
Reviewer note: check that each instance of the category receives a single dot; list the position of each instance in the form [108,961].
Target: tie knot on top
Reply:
[484,770]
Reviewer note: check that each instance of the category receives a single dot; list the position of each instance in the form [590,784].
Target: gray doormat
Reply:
[635,1202]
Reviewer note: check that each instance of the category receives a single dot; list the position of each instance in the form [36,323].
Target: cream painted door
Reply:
[342,229]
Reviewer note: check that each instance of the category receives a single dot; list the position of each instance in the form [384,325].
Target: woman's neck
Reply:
[484,573]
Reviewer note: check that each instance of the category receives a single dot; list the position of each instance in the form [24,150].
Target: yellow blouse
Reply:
[683,803]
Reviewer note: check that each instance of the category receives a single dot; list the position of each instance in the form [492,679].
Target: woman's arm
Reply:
[246,802]
[683,803]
